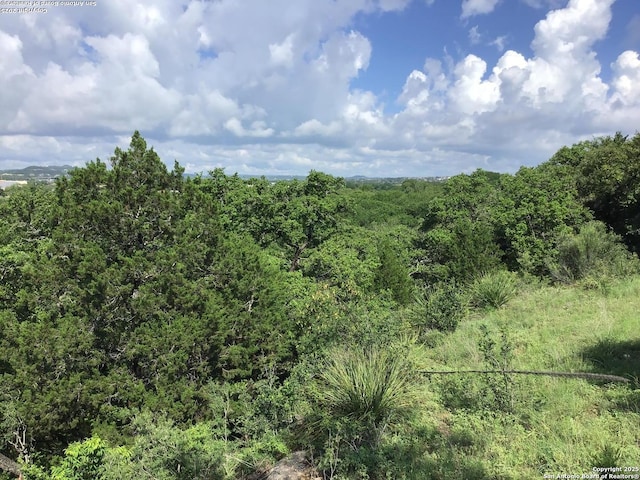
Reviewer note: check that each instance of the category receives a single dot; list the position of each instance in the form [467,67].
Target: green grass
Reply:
[498,426]
[558,425]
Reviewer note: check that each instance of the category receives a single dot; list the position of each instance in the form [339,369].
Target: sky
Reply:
[381,88]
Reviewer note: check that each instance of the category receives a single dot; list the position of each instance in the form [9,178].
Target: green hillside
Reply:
[161,326]
[546,425]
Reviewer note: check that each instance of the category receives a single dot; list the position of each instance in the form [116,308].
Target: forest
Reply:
[155,325]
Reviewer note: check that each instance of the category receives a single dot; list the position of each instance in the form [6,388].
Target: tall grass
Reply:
[552,423]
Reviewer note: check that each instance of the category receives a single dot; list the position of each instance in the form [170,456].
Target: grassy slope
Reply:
[557,425]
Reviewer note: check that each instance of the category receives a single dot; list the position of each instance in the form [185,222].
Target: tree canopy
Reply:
[140,306]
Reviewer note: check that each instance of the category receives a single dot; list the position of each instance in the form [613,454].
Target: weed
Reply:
[499,358]
[608,457]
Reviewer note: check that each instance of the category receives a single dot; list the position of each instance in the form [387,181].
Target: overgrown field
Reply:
[513,426]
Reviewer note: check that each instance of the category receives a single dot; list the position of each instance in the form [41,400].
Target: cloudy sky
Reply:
[348,87]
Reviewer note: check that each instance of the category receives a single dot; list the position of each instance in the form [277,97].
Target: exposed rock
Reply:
[294,467]
[10,466]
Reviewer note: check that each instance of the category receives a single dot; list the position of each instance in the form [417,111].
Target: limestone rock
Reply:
[294,467]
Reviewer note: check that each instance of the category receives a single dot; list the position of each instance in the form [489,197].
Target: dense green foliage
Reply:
[154,325]
[606,174]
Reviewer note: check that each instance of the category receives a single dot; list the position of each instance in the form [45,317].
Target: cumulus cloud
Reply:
[530,104]
[185,69]
[470,93]
[278,96]
[627,79]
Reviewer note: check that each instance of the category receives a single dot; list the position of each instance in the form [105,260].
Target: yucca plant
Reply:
[493,290]
[368,390]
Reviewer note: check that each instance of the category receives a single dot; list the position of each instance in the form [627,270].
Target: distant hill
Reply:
[35,172]
[44,173]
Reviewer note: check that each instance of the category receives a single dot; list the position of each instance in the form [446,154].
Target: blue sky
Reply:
[349,87]
[402,40]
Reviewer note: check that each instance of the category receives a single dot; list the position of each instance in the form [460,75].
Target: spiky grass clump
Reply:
[370,389]
[494,290]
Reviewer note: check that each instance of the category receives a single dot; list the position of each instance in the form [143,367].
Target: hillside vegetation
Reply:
[159,326]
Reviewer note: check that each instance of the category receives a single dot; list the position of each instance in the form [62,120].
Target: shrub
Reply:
[498,356]
[367,388]
[82,461]
[493,290]
[592,253]
[439,308]
[163,451]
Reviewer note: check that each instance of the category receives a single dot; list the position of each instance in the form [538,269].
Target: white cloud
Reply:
[572,30]
[627,79]
[282,53]
[142,66]
[470,93]
[268,88]
[257,129]
[535,104]
[361,122]
[478,7]
[474,35]
[416,91]
[499,42]
[15,77]
[130,53]
[118,92]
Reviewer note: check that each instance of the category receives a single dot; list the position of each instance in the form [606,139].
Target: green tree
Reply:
[459,239]
[537,206]
[393,272]
[347,260]
[82,461]
[254,330]
[305,214]
[606,172]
